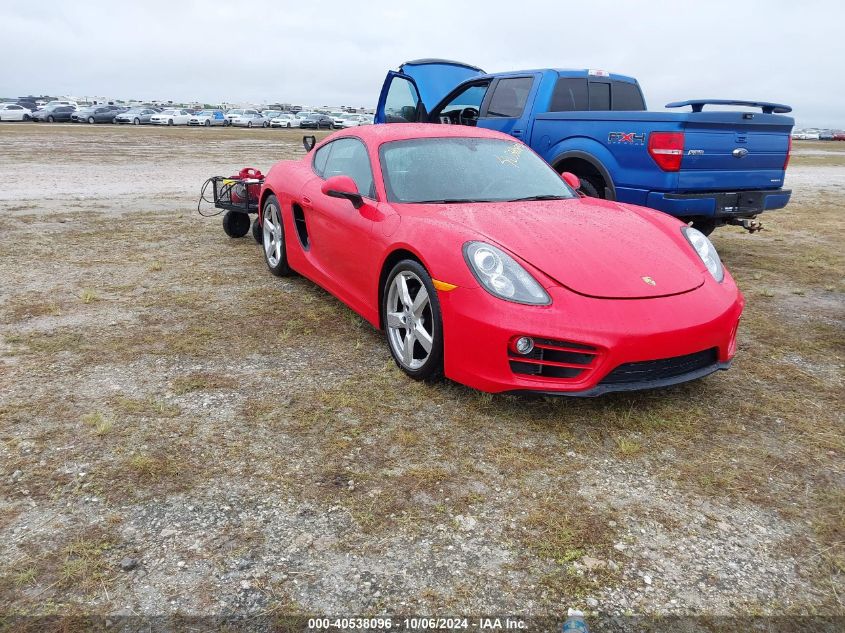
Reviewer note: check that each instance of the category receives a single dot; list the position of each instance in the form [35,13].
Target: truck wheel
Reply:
[235,224]
[706,226]
[588,189]
[257,232]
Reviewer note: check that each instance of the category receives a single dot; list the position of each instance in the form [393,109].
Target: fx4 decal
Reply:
[626,137]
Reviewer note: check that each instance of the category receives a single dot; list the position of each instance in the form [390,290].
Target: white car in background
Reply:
[284,120]
[354,120]
[14,112]
[171,116]
[208,118]
[231,114]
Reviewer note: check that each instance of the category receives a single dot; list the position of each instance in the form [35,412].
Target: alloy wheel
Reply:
[271,227]
[410,323]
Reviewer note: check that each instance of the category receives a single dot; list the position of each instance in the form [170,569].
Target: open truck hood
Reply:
[433,79]
[593,247]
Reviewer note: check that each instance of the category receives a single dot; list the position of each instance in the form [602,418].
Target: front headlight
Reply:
[706,251]
[501,276]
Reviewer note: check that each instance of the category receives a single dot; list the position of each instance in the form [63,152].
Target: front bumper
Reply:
[607,334]
[719,204]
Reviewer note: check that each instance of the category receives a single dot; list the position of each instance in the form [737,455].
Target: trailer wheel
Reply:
[235,224]
[257,233]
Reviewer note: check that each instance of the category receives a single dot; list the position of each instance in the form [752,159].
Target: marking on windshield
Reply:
[512,155]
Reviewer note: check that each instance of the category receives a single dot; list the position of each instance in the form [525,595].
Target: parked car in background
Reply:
[208,118]
[58,114]
[317,122]
[96,114]
[238,112]
[826,135]
[61,102]
[338,118]
[136,116]
[839,136]
[250,118]
[14,112]
[271,114]
[284,120]
[171,116]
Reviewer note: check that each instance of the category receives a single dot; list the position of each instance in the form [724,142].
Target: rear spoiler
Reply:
[698,105]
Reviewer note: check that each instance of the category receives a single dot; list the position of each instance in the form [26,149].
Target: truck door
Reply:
[507,106]
[409,94]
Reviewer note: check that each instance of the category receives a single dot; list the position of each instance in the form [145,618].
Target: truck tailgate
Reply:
[733,150]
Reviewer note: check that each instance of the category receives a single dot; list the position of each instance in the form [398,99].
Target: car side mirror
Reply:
[343,187]
[571,179]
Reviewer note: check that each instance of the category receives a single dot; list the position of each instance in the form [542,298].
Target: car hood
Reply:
[593,247]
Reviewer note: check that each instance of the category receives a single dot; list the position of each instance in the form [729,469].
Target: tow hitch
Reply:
[749,224]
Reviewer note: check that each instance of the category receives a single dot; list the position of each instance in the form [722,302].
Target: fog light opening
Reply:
[524,345]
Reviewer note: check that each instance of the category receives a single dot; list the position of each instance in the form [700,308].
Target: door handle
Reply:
[516,132]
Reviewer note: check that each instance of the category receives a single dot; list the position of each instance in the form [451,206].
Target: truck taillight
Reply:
[667,149]
[788,152]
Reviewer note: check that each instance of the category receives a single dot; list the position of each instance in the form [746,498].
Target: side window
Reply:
[626,96]
[402,102]
[599,95]
[455,111]
[320,158]
[349,157]
[570,95]
[509,97]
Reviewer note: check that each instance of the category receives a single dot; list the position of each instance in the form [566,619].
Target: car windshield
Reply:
[204,113]
[467,170]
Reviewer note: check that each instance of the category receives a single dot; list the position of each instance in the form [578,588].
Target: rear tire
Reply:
[706,226]
[235,224]
[257,233]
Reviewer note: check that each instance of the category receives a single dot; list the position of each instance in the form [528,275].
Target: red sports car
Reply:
[481,263]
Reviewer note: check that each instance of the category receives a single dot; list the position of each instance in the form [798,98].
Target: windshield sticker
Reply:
[511,155]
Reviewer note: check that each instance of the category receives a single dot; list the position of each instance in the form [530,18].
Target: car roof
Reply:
[386,132]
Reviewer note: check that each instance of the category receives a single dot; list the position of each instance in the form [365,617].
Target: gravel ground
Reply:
[184,434]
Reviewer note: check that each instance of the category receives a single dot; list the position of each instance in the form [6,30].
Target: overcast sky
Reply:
[337,53]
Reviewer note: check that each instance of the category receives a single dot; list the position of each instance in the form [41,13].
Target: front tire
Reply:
[137,121]
[257,233]
[273,238]
[90,120]
[51,119]
[249,123]
[235,224]
[170,122]
[413,325]
[588,189]
[207,123]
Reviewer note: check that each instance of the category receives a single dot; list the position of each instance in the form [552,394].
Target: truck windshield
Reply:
[467,169]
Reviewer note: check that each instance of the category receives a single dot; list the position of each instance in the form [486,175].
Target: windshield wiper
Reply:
[543,197]
[450,201]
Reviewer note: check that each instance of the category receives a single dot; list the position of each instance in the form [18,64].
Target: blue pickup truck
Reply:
[710,168]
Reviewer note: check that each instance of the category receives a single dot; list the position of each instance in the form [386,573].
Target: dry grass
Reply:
[302,408]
